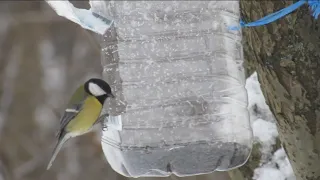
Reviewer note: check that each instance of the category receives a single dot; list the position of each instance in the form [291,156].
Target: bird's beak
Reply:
[111,95]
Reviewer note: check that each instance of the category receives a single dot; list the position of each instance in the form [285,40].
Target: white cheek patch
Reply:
[96,90]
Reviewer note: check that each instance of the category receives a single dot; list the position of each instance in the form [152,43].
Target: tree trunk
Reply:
[286,58]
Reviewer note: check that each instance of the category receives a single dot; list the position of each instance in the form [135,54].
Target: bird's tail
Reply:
[56,149]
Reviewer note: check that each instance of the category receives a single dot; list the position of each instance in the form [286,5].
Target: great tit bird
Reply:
[82,113]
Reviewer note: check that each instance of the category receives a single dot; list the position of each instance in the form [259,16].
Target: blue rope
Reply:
[314,5]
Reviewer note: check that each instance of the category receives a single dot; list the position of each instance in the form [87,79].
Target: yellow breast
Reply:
[84,121]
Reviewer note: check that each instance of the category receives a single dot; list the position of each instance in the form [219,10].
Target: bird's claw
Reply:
[104,126]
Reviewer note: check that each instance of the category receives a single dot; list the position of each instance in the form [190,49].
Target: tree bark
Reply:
[285,55]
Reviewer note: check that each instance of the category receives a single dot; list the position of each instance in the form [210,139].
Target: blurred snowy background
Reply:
[43,57]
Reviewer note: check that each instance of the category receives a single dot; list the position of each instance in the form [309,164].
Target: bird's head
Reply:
[98,88]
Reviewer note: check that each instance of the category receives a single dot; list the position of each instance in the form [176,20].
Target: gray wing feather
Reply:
[68,115]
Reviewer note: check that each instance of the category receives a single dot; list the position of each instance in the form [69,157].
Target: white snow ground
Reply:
[274,166]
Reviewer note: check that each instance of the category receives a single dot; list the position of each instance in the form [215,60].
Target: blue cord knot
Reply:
[313,4]
[315,7]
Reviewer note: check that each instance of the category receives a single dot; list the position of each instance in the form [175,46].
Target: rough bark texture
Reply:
[286,56]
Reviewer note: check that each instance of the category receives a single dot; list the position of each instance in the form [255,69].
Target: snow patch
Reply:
[262,120]
[268,173]
[274,166]
[278,168]
[266,133]
[256,103]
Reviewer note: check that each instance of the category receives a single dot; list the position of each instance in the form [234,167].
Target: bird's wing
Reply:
[73,108]
[69,114]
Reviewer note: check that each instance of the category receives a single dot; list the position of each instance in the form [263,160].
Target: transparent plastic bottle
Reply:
[179,82]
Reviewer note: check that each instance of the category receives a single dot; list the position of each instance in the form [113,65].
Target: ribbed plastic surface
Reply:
[177,73]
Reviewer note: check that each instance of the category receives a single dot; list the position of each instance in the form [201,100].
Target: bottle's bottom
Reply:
[190,160]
